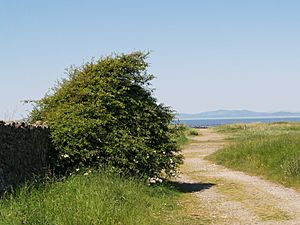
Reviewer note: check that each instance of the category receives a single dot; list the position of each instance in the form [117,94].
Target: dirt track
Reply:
[224,196]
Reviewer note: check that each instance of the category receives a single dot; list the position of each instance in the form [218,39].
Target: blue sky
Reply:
[206,55]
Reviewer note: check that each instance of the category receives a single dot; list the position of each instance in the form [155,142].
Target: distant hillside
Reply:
[236,114]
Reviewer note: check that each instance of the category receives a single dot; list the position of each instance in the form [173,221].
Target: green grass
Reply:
[193,132]
[98,198]
[269,150]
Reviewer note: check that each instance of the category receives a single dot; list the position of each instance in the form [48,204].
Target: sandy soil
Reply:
[225,196]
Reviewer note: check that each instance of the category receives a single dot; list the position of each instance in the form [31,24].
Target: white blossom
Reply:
[65,156]
[153,180]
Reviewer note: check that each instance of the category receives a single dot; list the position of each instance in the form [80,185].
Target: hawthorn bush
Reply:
[104,113]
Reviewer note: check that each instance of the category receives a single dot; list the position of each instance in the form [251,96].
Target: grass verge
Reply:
[269,150]
[98,198]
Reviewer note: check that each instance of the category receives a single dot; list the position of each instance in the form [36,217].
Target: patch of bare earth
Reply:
[217,195]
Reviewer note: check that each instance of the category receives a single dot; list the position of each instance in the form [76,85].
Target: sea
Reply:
[213,122]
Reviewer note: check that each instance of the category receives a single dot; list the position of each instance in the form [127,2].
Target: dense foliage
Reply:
[105,113]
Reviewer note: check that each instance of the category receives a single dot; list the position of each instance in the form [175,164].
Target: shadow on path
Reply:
[191,187]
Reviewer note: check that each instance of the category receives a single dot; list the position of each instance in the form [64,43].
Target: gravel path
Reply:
[232,197]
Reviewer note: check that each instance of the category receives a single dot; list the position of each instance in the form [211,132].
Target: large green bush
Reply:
[105,113]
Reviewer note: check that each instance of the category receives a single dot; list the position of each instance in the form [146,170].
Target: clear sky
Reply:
[207,54]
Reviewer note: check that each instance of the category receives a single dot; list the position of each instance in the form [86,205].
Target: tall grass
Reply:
[98,198]
[270,150]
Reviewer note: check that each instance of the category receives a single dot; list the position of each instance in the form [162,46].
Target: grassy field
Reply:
[268,150]
[97,198]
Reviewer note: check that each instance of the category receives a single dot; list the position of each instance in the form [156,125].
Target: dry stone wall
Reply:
[24,152]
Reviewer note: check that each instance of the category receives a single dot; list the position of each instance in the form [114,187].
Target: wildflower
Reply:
[65,156]
[159,180]
[85,174]
[77,169]
[152,180]
[173,173]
